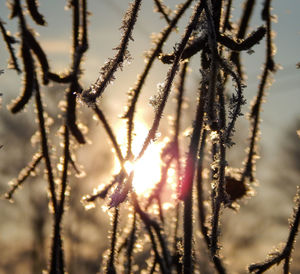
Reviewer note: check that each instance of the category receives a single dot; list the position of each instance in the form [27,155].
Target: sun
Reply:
[147,170]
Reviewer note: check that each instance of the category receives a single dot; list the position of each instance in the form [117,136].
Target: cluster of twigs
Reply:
[209,36]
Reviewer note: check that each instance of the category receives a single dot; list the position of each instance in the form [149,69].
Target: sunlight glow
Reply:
[147,170]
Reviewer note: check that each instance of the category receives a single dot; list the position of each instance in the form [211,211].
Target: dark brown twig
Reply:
[135,92]
[163,10]
[9,41]
[161,98]
[90,95]
[24,174]
[187,184]
[286,253]
[269,66]
[111,269]
[32,6]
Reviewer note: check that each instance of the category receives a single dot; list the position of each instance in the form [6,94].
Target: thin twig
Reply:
[111,261]
[269,66]
[163,94]
[163,10]
[135,92]
[24,174]
[9,40]
[187,184]
[286,253]
[90,95]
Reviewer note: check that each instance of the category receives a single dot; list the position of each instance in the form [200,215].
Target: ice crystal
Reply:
[214,136]
[87,203]
[156,99]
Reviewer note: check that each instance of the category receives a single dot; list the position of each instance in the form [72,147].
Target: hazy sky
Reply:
[282,105]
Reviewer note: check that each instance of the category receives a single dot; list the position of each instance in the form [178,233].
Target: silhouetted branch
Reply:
[172,240]
[286,253]
[45,146]
[110,133]
[32,6]
[236,102]
[161,99]
[194,47]
[130,245]
[29,70]
[269,66]
[243,26]
[253,39]
[161,8]
[90,95]
[135,92]
[201,211]
[102,194]
[57,264]
[24,174]
[187,183]
[111,269]
[9,41]
[40,54]
[150,223]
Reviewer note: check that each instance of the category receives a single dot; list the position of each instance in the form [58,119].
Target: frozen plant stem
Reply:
[131,242]
[221,196]
[25,173]
[170,76]
[200,191]
[90,95]
[57,263]
[111,269]
[80,45]
[135,92]
[187,185]
[286,253]
[269,66]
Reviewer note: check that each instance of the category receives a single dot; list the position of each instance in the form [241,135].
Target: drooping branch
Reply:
[269,66]
[187,183]
[162,97]
[110,133]
[135,92]
[111,269]
[45,147]
[32,6]
[286,253]
[80,45]
[24,174]
[28,87]
[243,26]
[90,95]
[57,264]
[161,8]
[9,41]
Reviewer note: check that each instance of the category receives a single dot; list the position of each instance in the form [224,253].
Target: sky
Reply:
[104,35]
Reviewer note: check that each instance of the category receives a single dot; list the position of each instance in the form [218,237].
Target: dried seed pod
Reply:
[235,188]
